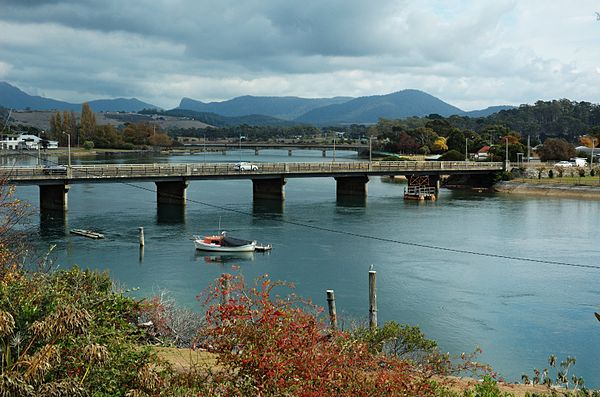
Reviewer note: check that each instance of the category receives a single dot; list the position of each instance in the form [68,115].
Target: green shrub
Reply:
[88,145]
[452,155]
[68,333]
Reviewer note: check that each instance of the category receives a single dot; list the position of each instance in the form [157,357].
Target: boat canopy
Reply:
[234,242]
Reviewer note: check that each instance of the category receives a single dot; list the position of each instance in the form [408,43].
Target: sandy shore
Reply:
[554,190]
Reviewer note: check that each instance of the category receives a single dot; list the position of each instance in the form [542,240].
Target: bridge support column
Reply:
[256,152]
[270,189]
[434,181]
[351,186]
[324,152]
[172,193]
[54,197]
[289,152]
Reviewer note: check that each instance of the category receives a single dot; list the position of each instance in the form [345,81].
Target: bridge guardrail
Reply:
[228,169]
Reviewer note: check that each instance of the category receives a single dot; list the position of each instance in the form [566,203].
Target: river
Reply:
[517,311]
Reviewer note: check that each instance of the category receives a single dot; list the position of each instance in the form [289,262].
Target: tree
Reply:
[589,141]
[107,137]
[55,125]
[557,149]
[88,122]
[439,145]
[456,141]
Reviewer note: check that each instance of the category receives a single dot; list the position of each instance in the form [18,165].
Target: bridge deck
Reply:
[99,173]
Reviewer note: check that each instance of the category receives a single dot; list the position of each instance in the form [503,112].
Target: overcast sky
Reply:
[471,54]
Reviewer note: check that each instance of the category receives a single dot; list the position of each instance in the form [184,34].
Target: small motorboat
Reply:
[224,243]
[87,233]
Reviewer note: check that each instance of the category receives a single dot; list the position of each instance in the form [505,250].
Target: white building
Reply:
[25,142]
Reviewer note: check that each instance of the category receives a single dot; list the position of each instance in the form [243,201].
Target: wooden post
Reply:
[372,299]
[141,229]
[332,311]
[225,288]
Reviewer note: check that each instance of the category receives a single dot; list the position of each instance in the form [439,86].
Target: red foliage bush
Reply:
[274,346]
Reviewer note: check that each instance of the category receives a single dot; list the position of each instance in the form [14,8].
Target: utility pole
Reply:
[528,146]
[466,149]
[506,161]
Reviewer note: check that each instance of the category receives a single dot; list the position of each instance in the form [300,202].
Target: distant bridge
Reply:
[268,179]
[290,147]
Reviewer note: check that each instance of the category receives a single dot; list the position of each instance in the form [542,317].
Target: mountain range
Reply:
[270,110]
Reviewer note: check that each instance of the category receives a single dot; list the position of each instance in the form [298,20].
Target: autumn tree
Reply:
[589,141]
[55,125]
[439,145]
[88,122]
[12,242]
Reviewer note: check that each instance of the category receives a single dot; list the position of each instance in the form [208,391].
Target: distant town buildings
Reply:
[25,142]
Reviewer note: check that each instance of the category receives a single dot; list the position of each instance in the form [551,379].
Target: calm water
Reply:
[518,312]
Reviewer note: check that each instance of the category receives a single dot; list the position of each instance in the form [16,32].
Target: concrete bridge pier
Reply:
[54,197]
[269,189]
[256,152]
[172,192]
[289,152]
[351,186]
[324,152]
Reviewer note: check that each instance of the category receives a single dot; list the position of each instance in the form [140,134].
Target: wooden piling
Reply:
[372,299]
[141,229]
[332,311]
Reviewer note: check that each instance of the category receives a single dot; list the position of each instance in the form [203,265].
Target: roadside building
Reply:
[25,142]
[483,153]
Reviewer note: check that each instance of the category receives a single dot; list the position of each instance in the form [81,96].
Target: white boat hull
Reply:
[201,245]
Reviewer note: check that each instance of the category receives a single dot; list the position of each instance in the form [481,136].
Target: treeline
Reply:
[89,134]
[263,133]
[559,125]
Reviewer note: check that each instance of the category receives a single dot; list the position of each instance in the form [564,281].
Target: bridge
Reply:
[290,147]
[268,179]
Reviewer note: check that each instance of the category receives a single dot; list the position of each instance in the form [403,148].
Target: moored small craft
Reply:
[263,247]
[87,233]
[224,243]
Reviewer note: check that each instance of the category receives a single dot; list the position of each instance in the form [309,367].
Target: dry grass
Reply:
[187,360]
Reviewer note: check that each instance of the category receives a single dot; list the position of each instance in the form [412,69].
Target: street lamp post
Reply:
[370,148]
[68,147]
[466,149]
[334,134]
[592,155]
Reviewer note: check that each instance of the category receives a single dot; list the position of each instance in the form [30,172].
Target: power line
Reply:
[375,238]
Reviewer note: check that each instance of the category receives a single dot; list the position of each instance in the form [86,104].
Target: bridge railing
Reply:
[100,171]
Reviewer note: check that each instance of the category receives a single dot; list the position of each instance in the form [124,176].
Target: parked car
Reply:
[564,163]
[245,167]
[55,169]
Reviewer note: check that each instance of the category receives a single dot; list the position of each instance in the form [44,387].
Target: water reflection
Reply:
[223,257]
[53,223]
[265,207]
[170,214]
[351,201]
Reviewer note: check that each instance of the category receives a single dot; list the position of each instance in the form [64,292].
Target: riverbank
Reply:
[544,188]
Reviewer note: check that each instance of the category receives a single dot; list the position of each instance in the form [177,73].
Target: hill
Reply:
[218,120]
[488,111]
[120,105]
[286,108]
[369,109]
[12,97]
